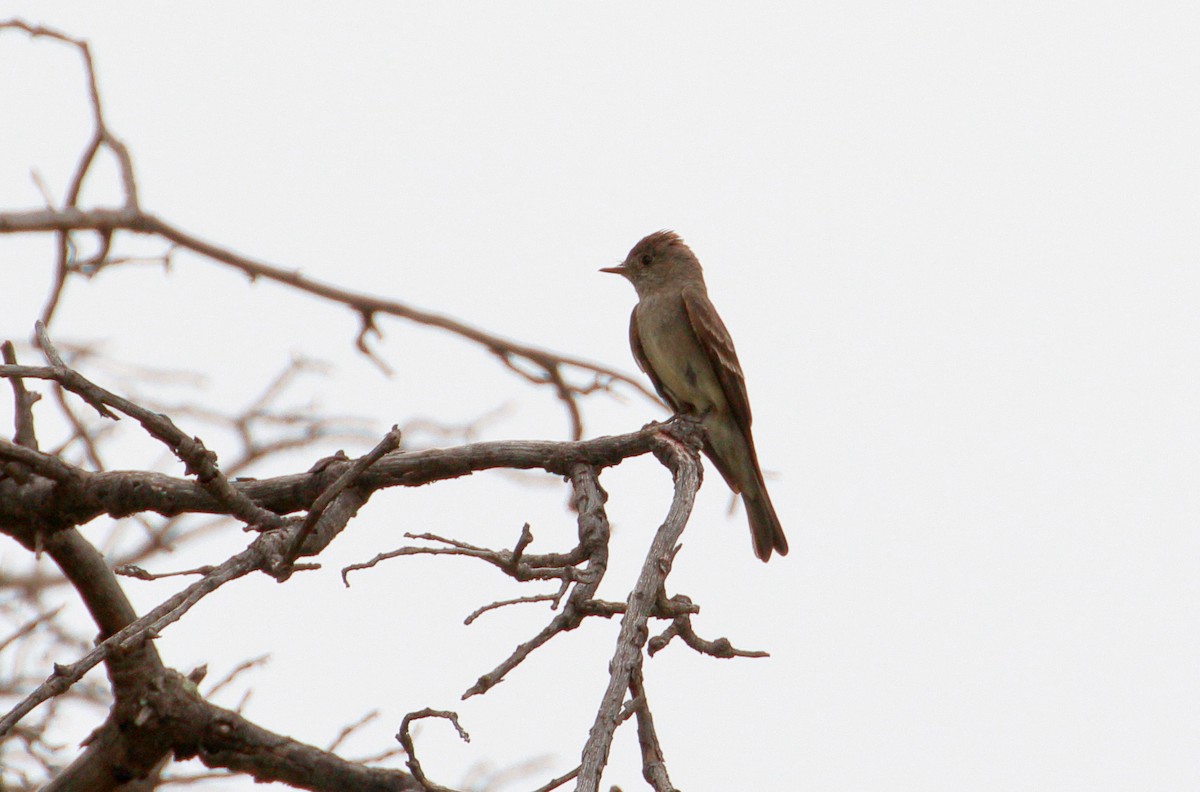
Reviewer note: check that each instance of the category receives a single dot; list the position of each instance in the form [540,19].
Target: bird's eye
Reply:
[646,259]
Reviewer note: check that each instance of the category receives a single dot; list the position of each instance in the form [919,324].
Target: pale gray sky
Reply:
[957,245]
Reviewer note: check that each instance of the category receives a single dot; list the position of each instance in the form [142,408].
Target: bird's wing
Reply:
[639,354]
[718,347]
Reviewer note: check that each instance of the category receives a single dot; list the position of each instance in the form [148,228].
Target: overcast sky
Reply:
[957,247]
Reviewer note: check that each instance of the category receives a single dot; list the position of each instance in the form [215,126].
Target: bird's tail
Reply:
[764,524]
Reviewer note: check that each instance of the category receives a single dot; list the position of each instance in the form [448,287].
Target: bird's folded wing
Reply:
[718,346]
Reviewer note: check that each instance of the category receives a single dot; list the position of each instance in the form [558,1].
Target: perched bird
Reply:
[681,343]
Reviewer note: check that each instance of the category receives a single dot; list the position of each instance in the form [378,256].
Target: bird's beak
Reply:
[614,270]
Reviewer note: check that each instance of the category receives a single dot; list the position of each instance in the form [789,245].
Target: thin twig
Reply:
[593,539]
[23,401]
[135,571]
[505,603]
[349,729]
[29,626]
[254,557]
[555,783]
[406,741]
[235,672]
[549,364]
[389,443]
[681,626]
[101,138]
[197,459]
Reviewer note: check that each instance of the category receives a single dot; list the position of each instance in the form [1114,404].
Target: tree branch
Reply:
[121,493]
[682,457]
[131,219]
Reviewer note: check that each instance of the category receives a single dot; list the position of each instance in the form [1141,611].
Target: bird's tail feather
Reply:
[764,524]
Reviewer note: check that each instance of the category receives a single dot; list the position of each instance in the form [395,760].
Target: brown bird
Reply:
[681,343]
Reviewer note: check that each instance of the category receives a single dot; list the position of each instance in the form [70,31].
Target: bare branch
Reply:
[405,738]
[654,766]
[23,403]
[135,571]
[101,138]
[549,364]
[157,713]
[174,714]
[237,671]
[682,457]
[593,541]
[197,459]
[555,783]
[504,603]
[350,728]
[682,626]
[389,443]
[43,464]
[29,626]
[149,625]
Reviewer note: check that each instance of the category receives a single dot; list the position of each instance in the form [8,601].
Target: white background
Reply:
[956,243]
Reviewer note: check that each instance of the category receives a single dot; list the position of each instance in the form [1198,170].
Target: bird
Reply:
[680,342]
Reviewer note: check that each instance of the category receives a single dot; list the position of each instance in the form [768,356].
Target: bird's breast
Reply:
[679,362]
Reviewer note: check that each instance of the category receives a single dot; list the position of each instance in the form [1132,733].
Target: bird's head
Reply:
[659,259]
